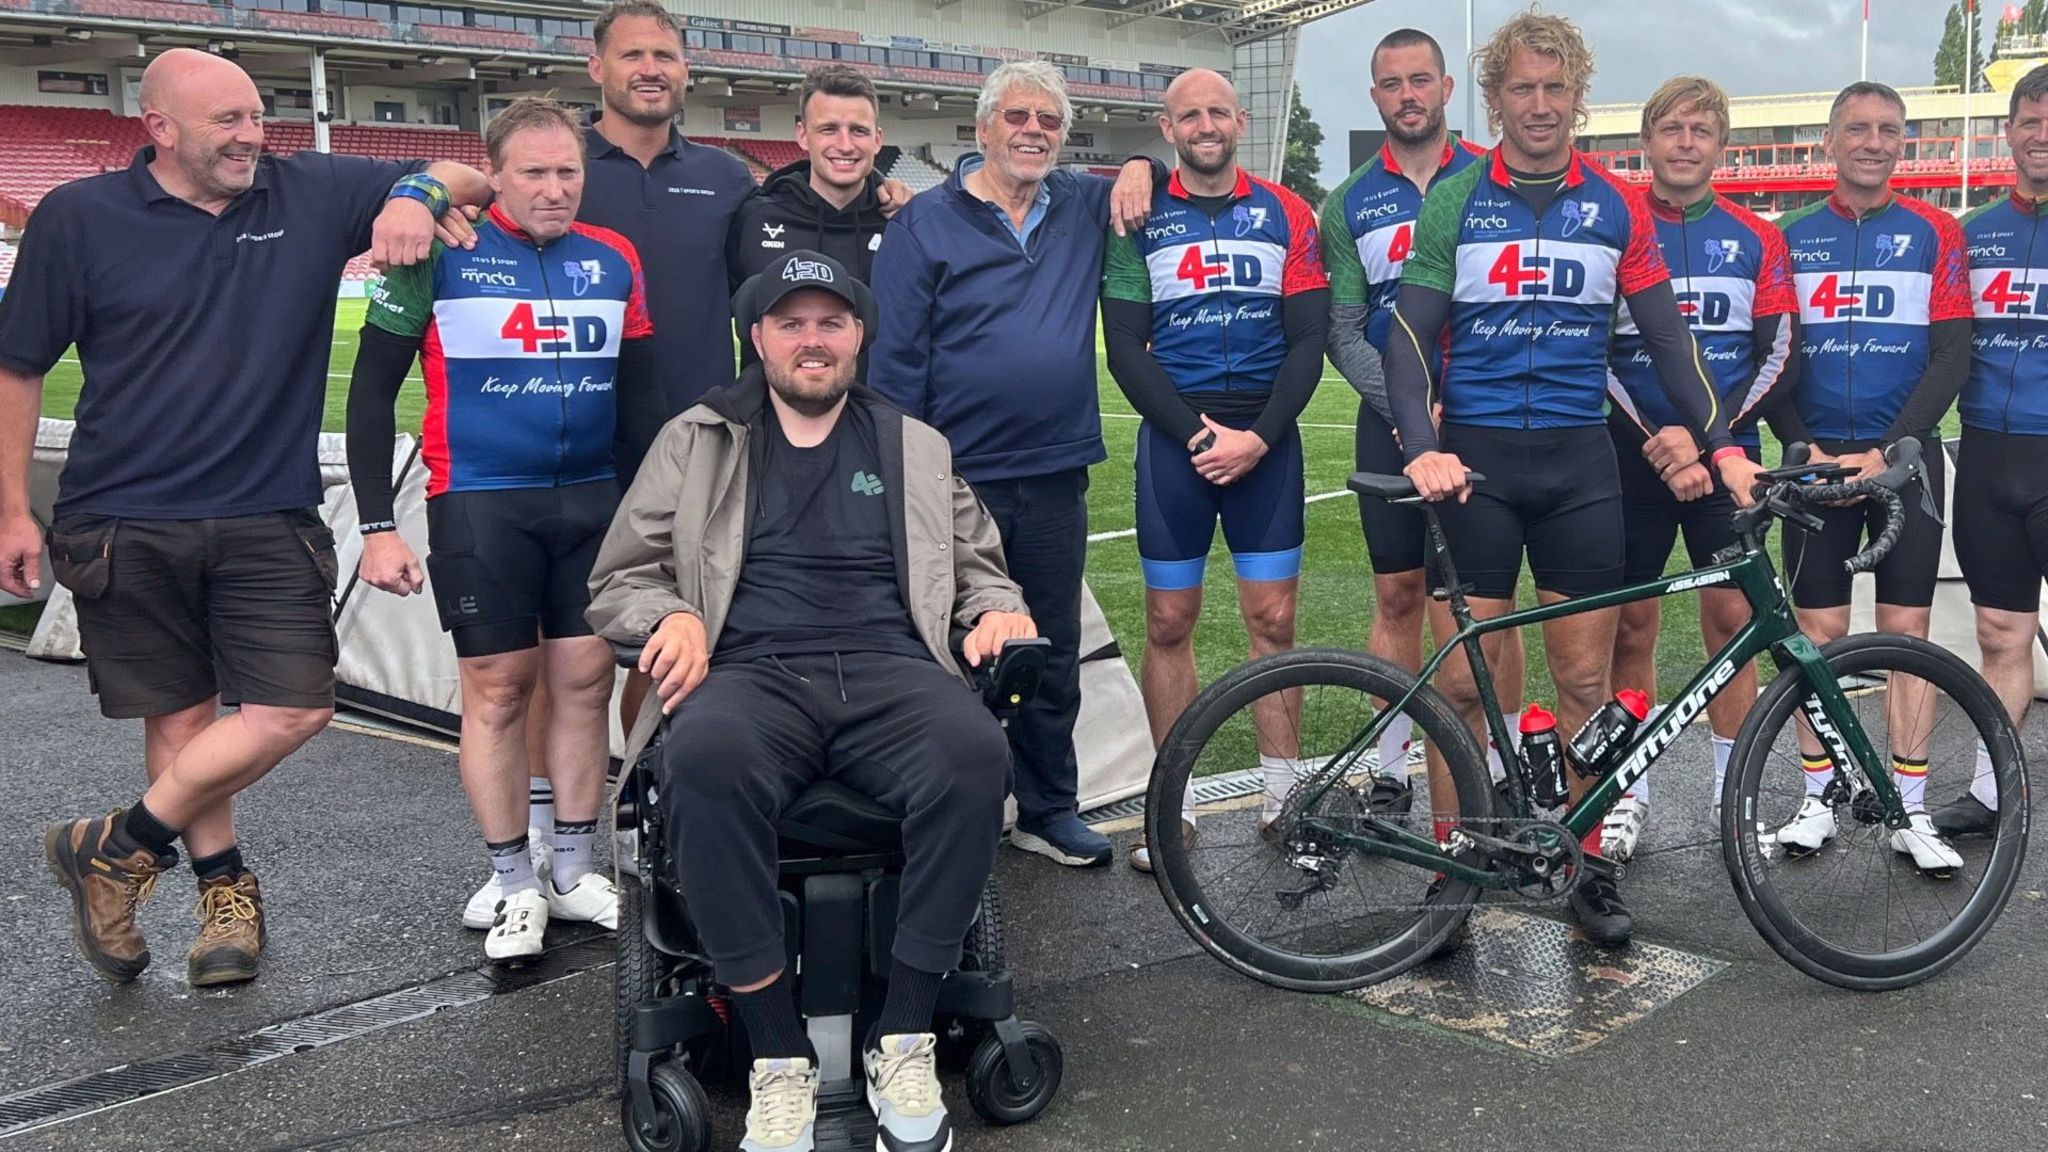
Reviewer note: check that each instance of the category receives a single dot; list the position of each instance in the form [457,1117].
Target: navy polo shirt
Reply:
[676,212]
[204,339]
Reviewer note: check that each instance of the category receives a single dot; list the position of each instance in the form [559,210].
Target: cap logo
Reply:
[799,270]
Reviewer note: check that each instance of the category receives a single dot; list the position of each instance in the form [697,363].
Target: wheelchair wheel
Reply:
[983,950]
[636,972]
[989,1090]
[1839,895]
[682,1116]
[1281,891]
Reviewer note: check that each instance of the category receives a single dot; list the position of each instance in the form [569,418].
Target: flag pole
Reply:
[1471,81]
[1969,85]
[1865,75]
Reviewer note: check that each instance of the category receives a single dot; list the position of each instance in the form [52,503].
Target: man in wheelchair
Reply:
[794,556]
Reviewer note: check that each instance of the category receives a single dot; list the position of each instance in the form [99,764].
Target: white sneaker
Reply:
[1810,830]
[1623,826]
[903,1089]
[483,903]
[594,900]
[1931,854]
[517,930]
[783,1106]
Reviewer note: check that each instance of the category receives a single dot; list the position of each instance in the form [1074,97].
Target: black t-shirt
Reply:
[820,568]
[204,339]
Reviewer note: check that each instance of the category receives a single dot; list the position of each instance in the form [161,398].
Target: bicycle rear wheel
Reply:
[1283,905]
[1858,911]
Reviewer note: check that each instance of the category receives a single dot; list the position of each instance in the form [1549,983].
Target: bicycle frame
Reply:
[1771,628]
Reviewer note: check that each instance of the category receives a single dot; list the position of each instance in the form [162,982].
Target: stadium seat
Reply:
[917,172]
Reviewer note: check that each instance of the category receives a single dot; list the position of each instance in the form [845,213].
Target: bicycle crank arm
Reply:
[1378,837]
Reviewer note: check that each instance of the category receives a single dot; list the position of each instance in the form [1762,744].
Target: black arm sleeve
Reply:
[382,360]
[641,414]
[1307,318]
[1680,371]
[1948,365]
[1127,338]
[1774,348]
[1419,318]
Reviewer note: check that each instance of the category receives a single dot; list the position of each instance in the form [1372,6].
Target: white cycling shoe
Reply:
[482,908]
[1931,855]
[593,900]
[1810,830]
[516,931]
[1623,826]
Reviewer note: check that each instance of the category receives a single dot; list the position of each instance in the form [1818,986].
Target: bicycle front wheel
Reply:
[1834,891]
[1257,878]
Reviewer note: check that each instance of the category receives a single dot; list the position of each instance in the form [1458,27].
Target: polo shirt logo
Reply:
[1579,214]
[691,191]
[259,237]
[583,273]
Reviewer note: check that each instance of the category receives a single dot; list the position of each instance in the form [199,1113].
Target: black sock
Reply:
[141,828]
[227,862]
[773,1027]
[913,997]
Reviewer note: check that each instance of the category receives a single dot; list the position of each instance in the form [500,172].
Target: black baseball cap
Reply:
[802,271]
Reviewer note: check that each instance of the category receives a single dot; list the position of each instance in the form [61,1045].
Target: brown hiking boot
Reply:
[230,915]
[106,888]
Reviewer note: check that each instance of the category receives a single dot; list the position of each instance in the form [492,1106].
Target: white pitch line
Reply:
[1297,423]
[1099,537]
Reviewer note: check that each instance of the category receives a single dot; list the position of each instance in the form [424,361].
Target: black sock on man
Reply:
[141,829]
[913,997]
[773,1028]
[227,862]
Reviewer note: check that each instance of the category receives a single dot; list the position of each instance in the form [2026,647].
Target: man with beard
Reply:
[1368,227]
[187,522]
[2001,505]
[829,202]
[1214,317]
[1884,308]
[1536,241]
[796,625]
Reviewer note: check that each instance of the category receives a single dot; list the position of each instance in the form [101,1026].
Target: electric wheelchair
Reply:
[841,862]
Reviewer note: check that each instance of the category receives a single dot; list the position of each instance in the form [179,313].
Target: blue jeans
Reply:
[1044,524]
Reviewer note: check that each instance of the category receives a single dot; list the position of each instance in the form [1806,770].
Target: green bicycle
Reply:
[1365,869]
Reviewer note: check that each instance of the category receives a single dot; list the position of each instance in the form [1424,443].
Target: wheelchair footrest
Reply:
[844,1122]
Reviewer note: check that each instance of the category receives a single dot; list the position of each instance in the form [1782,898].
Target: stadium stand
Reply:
[916,172]
[771,153]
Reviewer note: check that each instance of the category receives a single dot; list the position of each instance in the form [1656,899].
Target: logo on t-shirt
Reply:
[867,483]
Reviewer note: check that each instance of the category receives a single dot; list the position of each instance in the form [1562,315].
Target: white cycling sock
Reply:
[1819,770]
[1911,778]
[1723,748]
[1394,747]
[1984,785]
[1494,767]
[1280,772]
[540,803]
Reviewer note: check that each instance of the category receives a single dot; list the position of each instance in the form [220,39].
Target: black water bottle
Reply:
[1597,747]
[1540,751]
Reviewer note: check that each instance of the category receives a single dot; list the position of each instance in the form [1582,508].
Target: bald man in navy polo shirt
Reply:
[198,286]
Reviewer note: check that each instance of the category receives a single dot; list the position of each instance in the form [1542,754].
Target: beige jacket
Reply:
[680,536]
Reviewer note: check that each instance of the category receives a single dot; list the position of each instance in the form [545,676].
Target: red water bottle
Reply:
[1597,747]
[1545,761]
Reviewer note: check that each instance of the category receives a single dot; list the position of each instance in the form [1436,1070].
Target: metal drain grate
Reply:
[114,1087]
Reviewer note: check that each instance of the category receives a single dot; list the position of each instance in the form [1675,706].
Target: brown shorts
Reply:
[174,612]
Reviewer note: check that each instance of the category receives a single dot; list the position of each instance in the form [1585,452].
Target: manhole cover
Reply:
[1536,984]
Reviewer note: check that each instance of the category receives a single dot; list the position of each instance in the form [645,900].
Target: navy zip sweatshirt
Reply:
[991,342]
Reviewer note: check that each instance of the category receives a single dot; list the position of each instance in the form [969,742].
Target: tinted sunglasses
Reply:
[1019,117]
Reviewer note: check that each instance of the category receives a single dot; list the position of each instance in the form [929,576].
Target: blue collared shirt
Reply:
[1032,218]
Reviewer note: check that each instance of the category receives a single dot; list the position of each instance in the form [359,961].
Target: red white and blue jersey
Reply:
[2007,390]
[1532,299]
[1216,283]
[1729,268]
[1868,288]
[519,346]
[1368,227]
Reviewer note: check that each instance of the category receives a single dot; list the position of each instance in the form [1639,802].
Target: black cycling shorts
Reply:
[1905,577]
[1653,518]
[1394,533]
[1551,491]
[513,565]
[2001,518]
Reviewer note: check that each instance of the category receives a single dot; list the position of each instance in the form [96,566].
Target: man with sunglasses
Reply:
[985,293]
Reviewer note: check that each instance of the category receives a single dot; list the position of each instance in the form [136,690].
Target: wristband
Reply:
[1721,454]
[376,526]
[425,189]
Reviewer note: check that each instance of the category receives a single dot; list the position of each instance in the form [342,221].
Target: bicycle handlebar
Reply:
[1903,458]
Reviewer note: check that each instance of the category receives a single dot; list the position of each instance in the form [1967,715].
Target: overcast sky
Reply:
[1753,47]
